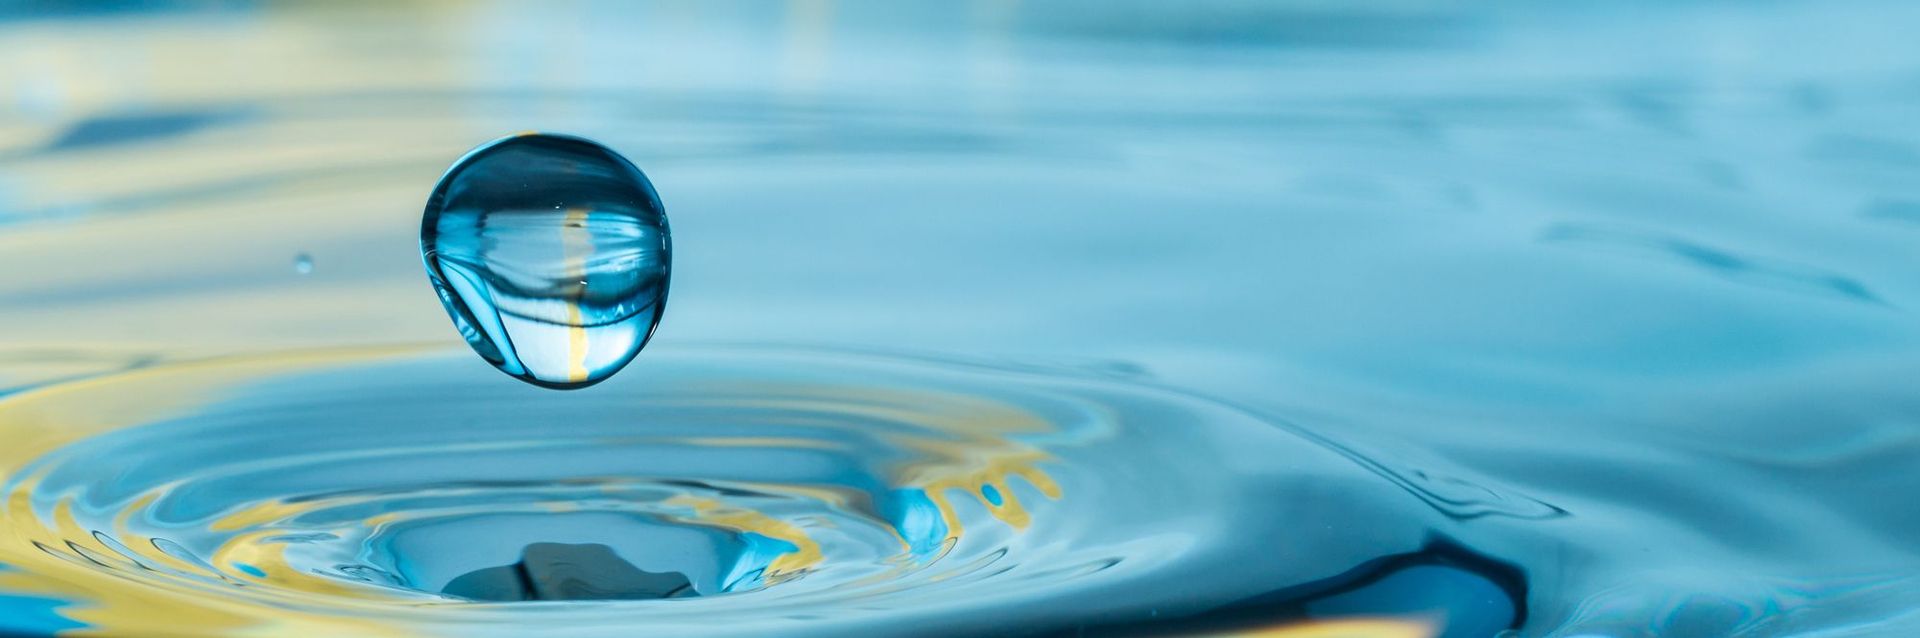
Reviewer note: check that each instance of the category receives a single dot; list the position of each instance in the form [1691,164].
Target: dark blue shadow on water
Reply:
[130,128]
[64,9]
[1477,596]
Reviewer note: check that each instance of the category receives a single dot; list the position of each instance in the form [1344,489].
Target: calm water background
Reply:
[1630,288]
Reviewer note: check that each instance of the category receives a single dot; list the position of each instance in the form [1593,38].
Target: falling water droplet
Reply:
[552,255]
[303,263]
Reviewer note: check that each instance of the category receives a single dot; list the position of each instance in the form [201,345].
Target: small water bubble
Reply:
[551,254]
[303,263]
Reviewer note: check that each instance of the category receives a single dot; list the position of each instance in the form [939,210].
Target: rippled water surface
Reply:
[1300,319]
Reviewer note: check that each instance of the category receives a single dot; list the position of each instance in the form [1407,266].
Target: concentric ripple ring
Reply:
[798,491]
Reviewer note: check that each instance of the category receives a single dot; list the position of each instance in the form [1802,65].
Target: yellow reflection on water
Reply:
[164,600]
[711,512]
[961,443]
[1348,628]
[985,451]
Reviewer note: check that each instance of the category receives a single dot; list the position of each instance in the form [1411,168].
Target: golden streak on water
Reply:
[711,512]
[577,244]
[112,605]
[983,454]
[1348,628]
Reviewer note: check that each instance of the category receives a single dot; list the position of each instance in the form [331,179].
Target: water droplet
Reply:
[303,263]
[551,253]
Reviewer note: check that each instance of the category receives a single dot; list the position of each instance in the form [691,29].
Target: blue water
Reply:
[551,253]
[1399,319]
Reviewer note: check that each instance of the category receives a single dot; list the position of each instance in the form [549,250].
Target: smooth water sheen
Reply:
[551,254]
[1394,319]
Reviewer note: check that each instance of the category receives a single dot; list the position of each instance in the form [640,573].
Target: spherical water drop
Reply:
[552,255]
[303,264]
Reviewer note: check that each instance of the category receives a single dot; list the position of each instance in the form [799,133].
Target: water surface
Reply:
[1406,318]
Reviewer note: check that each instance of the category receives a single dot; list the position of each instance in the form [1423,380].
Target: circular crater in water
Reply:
[786,491]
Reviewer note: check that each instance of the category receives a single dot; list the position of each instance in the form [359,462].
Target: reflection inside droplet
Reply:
[551,254]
